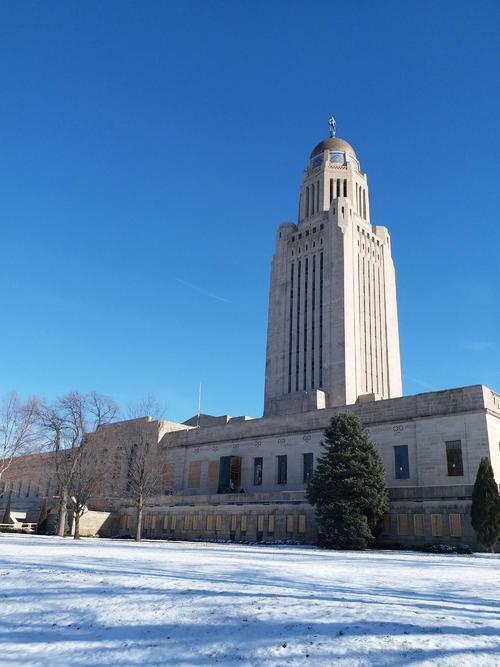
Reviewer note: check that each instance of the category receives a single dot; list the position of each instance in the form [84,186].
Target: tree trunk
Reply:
[61,519]
[138,527]
[77,525]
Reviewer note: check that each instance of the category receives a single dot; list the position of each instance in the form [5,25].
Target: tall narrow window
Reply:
[317,197]
[290,332]
[418,524]
[454,458]
[306,286]
[307,202]
[313,319]
[312,199]
[364,204]
[321,320]
[331,189]
[402,524]
[338,187]
[281,469]
[307,466]
[345,187]
[289,523]
[297,342]
[257,471]
[455,525]
[436,525]
[401,464]
[302,523]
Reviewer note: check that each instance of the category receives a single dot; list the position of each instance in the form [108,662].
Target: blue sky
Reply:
[148,152]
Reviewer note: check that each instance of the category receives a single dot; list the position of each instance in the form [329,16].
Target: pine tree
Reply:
[41,526]
[348,488]
[485,509]
[8,510]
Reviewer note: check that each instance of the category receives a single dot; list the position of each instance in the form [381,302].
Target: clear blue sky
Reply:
[148,152]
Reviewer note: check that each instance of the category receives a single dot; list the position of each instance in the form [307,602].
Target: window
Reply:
[210,522]
[168,477]
[257,471]
[145,523]
[401,464]
[173,523]
[418,524]
[129,521]
[218,522]
[436,525]
[455,525]
[186,522]
[281,476]
[289,523]
[402,524]
[213,474]
[302,523]
[195,522]
[270,524]
[165,522]
[234,519]
[244,523]
[454,458]
[260,523]
[386,524]
[194,474]
[153,521]
[307,466]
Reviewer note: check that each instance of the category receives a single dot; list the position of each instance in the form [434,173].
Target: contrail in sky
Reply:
[196,288]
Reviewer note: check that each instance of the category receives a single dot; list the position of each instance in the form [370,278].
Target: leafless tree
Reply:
[147,406]
[144,479]
[18,433]
[67,425]
[84,483]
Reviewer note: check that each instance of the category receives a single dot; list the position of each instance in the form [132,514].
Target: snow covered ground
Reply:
[99,602]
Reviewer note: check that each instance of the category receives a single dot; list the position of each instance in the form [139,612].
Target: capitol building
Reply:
[332,346]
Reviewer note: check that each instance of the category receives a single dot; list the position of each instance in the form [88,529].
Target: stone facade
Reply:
[430,501]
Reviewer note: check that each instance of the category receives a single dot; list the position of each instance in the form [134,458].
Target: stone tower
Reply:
[333,329]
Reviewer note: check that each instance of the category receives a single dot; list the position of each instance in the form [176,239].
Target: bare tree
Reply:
[83,485]
[144,479]
[67,425]
[17,428]
[147,406]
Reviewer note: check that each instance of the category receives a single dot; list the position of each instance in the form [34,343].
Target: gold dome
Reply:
[333,144]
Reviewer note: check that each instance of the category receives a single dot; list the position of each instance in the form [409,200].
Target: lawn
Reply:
[103,602]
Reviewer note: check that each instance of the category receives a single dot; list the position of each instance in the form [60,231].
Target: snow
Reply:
[103,602]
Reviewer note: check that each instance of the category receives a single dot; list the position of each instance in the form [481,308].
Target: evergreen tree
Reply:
[347,488]
[41,526]
[485,509]
[6,515]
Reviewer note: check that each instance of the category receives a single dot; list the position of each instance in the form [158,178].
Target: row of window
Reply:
[306,233]
[225,474]
[454,460]
[405,525]
[215,523]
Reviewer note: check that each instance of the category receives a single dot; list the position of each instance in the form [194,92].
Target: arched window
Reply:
[364,204]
